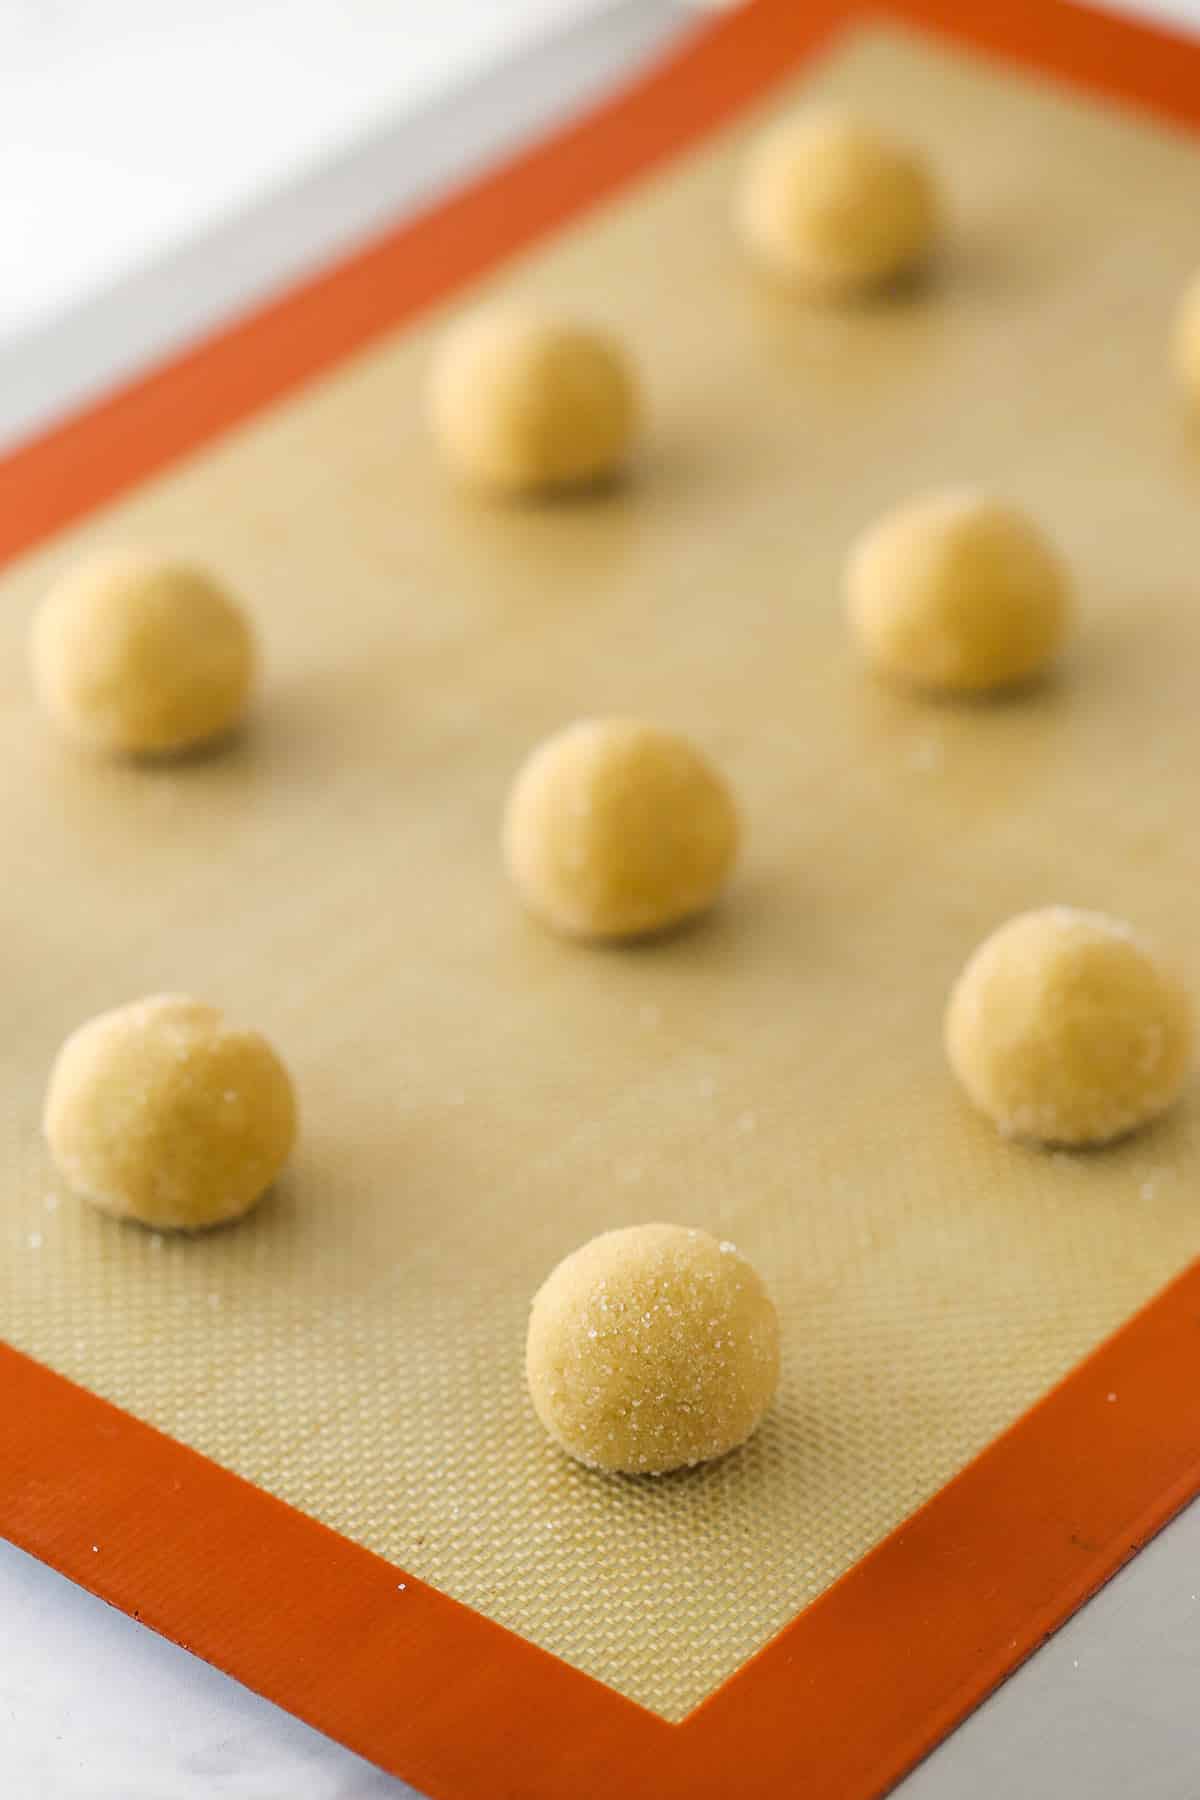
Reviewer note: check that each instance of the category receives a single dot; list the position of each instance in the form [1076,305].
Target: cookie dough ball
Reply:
[652,1348]
[1064,1027]
[522,403]
[615,829]
[958,592]
[160,1112]
[832,206]
[1186,343]
[137,654]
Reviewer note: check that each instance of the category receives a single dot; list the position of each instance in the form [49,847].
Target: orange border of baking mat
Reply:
[871,1675]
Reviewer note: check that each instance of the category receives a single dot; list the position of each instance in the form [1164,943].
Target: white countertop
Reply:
[130,126]
[128,129]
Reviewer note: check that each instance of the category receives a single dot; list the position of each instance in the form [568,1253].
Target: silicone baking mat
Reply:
[478,1097]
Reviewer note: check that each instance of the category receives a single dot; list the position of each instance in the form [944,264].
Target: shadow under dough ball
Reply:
[160,1112]
[651,1349]
[141,655]
[1066,1028]
[615,829]
[522,403]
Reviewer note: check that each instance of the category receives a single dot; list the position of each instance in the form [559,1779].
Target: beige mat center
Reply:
[478,1097]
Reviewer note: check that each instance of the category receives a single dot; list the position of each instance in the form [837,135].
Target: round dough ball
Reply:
[1186,342]
[1065,1028]
[832,206]
[958,592]
[521,403]
[652,1348]
[136,654]
[615,829]
[159,1112]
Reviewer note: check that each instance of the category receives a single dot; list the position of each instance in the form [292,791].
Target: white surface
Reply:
[127,127]
[95,1707]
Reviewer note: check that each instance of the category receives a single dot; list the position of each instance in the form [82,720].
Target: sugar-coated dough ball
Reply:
[521,403]
[160,1112]
[832,206]
[1064,1027]
[138,654]
[960,592]
[615,829]
[652,1348]
[1186,342]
